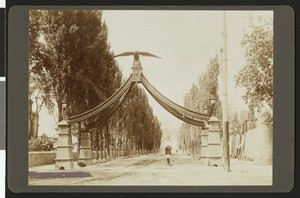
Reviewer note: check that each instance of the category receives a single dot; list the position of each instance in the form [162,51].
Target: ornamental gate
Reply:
[93,117]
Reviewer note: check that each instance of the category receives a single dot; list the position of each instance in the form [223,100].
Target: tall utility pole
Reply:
[224,99]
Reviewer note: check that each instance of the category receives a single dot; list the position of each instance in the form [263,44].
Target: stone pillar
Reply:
[85,148]
[204,140]
[214,145]
[64,156]
[137,73]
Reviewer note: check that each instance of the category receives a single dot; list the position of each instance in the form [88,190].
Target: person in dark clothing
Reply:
[168,154]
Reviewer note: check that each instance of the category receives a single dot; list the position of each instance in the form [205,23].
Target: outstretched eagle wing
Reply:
[124,54]
[148,54]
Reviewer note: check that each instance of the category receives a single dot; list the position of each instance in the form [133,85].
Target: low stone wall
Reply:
[258,146]
[48,157]
[256,143]
[43,158]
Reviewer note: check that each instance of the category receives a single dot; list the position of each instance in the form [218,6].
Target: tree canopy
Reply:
[256,76]
[198,98]
[69,51]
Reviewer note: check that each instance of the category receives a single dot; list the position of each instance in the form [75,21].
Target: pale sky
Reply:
[186,40]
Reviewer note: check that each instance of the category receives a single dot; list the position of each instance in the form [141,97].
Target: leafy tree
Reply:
[208,87]
[39,92]
[257,75]
[71,54]
[38,96]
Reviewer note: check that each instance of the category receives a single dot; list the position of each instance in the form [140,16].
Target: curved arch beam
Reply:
[182,110]
[114,108]
[177,114]
[107,103]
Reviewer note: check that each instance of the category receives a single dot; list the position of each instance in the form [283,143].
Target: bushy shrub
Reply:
[39,145]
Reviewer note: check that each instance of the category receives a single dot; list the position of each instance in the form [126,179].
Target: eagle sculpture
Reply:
[136,56]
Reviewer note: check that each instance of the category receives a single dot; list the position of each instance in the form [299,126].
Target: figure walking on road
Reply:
[168,154]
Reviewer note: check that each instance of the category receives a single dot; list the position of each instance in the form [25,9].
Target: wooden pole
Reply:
[224,100]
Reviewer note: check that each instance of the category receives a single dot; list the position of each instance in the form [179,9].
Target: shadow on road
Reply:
[45,175]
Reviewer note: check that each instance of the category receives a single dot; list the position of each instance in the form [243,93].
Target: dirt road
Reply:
[153,170]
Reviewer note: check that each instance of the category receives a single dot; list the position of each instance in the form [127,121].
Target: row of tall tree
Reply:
[71,61]
[132,130]
[69,54]
[198,99]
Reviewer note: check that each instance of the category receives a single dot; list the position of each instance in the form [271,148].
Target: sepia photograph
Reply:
[150,97]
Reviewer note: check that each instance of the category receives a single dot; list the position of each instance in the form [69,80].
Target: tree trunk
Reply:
[79,134]
[104,144]
[116,151]
[123,144]
[116,147]
[108,142]
[60,112]
[120,149]
[117,144]
[143,148]
[101,143]
[126,147]
[97,143]
[92,141]
[113,140]
[37,125]
[153,143]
